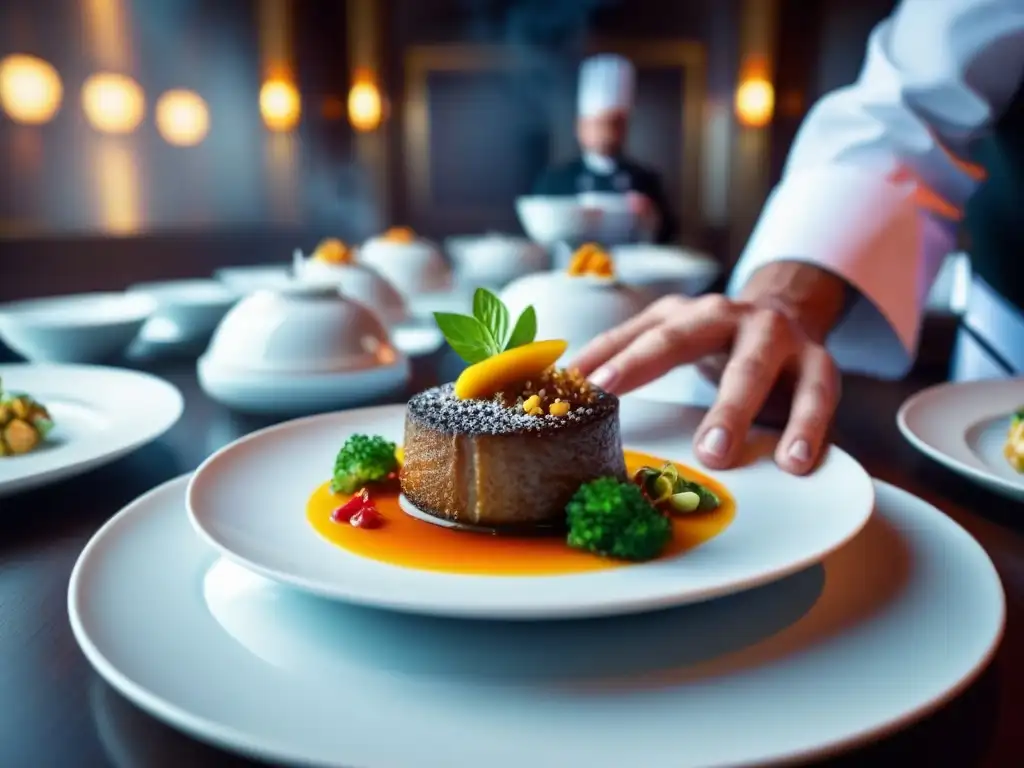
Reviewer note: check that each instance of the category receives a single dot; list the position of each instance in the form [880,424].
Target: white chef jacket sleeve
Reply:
[873,188]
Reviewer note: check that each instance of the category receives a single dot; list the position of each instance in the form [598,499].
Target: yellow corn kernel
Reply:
[538,411]
[530,403]
[558,408]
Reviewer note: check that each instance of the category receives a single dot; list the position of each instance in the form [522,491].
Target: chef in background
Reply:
[840,265]
[605,99]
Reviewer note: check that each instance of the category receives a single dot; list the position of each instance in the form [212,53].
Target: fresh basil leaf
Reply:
[525,330]
[467,336]
[492,312]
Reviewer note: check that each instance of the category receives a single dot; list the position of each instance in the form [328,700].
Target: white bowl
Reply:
[356,281]
[573,308]
[663,270]
[253,278]
[493,260]
[83,328]
[549,220]
[187,310]
[413,268]
[600,216]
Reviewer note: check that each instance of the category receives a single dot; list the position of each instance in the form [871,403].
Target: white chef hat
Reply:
[606,85]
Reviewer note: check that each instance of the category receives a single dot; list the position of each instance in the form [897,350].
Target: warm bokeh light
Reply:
[364,106]
[30,89]
[182,118]
[113,103]
[118,178]
[755,102]
[280,105]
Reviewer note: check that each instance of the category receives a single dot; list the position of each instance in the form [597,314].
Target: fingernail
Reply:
[715,442]
[800,451]
[603,377]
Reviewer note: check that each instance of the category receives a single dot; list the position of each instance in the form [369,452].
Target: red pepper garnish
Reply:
[367,517]
[344,513]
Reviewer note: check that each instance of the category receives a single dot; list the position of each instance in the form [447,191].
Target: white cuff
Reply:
[871,233]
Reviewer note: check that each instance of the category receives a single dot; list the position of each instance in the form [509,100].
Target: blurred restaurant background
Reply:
[154,139]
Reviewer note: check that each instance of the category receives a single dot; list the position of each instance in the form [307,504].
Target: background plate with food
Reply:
[973,428]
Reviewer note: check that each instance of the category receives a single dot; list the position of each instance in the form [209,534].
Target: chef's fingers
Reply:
[661,348]
[815,400]
[764,345]
[711,367]
[611,342]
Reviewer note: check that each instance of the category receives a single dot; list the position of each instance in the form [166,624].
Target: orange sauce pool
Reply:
[412,543]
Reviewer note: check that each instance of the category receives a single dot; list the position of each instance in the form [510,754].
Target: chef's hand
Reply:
[641,205]
[773,335]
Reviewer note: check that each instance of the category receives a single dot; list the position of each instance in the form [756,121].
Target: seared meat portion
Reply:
[482,463]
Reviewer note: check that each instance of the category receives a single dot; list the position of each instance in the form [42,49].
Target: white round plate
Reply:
[752,679]
[100,414]
[964,426]
[248,500]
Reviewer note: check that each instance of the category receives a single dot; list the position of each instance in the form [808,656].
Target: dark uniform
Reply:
[575,177]
[994,323]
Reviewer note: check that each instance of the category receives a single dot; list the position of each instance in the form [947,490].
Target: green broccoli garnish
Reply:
[614,519]
[363,459]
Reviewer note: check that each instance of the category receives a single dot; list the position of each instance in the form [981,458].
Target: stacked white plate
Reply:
[212,605]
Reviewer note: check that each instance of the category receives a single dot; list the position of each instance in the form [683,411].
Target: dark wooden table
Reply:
[55,711]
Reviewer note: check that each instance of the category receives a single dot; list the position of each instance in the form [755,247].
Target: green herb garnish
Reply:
[488,331]
[362,460]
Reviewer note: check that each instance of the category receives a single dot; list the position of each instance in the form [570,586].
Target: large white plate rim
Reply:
[154,409]
[957,455]
[269,748]
[609,593]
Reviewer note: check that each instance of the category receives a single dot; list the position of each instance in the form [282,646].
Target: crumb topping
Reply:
[439,409]
[554,385]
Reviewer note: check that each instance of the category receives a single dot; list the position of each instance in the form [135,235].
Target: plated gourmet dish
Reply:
[1013,449]
[24,423]
[516,467]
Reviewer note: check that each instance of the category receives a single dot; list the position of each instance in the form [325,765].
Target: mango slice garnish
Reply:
[494,374]
[399,235]
[333,251]
[591,259]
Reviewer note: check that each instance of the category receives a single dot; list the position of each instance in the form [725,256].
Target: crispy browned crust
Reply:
[479,463]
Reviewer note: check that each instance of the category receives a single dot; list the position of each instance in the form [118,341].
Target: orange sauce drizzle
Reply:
[406,541]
